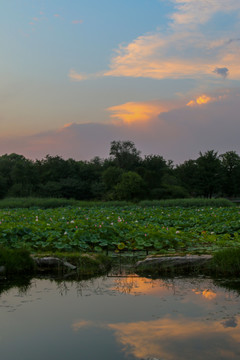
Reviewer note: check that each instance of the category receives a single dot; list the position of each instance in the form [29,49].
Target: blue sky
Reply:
[77,75]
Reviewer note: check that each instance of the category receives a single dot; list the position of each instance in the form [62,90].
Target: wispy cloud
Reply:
[185,50]
[77,22]
[82,324]
[74,76]
[195,12]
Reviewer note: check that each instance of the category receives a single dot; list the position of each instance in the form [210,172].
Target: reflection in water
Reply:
[120,318]
[207,293]
[176,338]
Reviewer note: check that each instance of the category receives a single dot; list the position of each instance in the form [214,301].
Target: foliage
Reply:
[226,262]
[210,175]
[130,187]
[124,154]
[132,227]
[16,261]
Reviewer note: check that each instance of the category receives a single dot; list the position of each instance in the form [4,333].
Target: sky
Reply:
[76,75]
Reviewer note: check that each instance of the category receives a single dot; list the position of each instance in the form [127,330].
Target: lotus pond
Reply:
[86,229]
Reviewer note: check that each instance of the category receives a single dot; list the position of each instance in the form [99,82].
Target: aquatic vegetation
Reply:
[16,261]
[226,262]
[86,229]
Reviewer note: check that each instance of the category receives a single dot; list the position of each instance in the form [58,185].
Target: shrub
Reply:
[16,261]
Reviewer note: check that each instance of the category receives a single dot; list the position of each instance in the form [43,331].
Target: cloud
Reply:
[202,99]
[185,50]
[76,76]
[222,71]
[179,133]
[133,112]
[56,15]
[155,339]
[77,22]
[175,56]
[194,12]
[149,56]
[82,324]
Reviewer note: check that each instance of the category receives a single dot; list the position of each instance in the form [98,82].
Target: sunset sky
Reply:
[76,75]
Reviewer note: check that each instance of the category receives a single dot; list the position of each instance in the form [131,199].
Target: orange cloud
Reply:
[145,339]
[65,126]
[132,112]
[76,77]
[138,285]
[80,324]
[194,12]
[207,293]
[202,99]
[146,57]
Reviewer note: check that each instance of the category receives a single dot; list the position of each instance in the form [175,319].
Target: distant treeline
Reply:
[124,175]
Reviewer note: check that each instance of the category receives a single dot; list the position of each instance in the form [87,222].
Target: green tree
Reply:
[19,174]
[188,176]
[125,155]
[231,173]
[130,187]
[111,176]
[152,170]
[209,171]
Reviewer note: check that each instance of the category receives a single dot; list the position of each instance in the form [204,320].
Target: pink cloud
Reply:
[178,133]
[77,21]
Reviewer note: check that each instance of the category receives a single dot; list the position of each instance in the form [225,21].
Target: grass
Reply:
[51,203]
[16,261]
[191,202]
[226,262]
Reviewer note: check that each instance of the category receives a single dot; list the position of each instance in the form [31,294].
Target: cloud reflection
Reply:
[180,338]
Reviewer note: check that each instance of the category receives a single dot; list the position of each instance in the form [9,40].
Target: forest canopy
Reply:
[124,175]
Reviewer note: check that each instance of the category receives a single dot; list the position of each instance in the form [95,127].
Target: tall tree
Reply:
[209,173]
[187,173]
[130,187]
[125,155]
[153,168]
[231,173]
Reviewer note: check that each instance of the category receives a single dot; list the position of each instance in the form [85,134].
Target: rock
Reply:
[170,263]
[70,266]
[52,262]
[47,261]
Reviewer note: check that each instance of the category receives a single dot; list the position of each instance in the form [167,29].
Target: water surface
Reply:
[120,318]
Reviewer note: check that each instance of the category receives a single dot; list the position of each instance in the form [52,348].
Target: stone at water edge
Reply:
[52,262]
[176,261]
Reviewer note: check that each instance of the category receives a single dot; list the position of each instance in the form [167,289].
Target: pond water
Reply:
[119,318]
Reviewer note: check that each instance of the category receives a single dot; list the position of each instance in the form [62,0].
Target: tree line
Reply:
[124,175]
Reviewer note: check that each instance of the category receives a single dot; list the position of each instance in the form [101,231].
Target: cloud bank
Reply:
[178,132]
